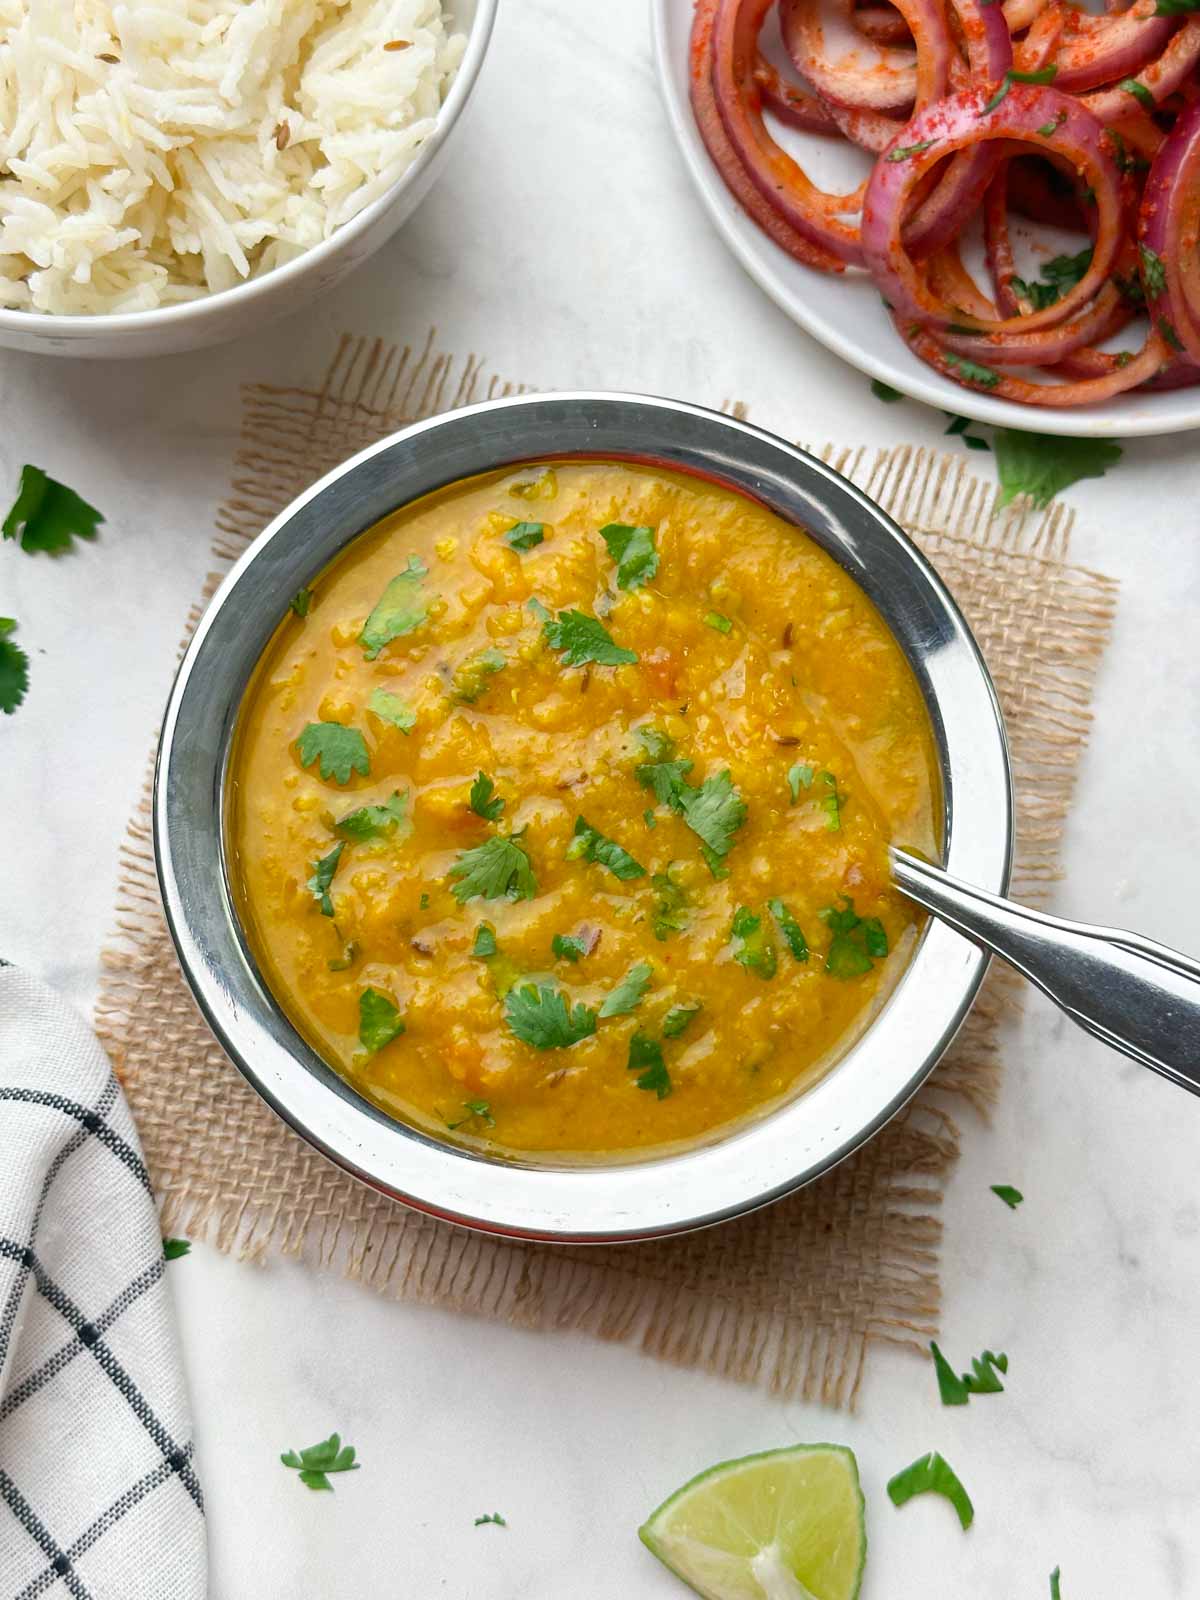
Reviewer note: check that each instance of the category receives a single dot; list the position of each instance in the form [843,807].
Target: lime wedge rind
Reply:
[786,1524]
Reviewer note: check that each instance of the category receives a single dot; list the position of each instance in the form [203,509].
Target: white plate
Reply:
[844,311]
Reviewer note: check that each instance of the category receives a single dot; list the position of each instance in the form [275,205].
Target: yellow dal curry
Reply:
[561,808]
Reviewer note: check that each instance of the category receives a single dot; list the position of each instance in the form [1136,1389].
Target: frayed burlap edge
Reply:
[851,1260]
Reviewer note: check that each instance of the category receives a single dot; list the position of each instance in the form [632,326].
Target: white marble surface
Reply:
[564,244]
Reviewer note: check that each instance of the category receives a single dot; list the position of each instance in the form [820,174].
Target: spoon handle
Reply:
[1138,996]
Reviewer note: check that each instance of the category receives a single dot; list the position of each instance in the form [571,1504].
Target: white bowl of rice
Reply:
[176,173]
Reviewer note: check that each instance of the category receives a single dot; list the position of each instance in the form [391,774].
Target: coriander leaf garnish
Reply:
[1139,91]
[1012,1197]
[791,930]
[1056,277]
[677,1020]
[322,876]
[902,153]
[173,1249]
[634,552]
[659,746]
[301,602]
[492,1516]
[589,844]
[666,778]
[1040,465]
[479,1110]
[714,811]
[485,942]
[1175,8]
[985,377]
[375,822]
[582,639]
[1042,75]
[720,623]
[390,708]
[629,992]
[982,1379]
[670,915]
[318,1460]
[833,801]
[400,608]
[14,669]
[48,516]
[472,678]
[379,1020]
[525,535]
[539,1014]
[339,749]
[497,868]
[567,947]
[932,1474]
[856,943]
[799,777]
[755,950]
[646,1059]
[1153,271]
[885,392]
[483,800]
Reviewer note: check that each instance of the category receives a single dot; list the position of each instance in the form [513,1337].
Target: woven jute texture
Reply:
[792,1296]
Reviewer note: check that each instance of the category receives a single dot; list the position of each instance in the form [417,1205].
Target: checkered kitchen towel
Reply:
[98,1493]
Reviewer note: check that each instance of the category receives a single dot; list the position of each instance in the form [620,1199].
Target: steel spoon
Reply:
[1139,997]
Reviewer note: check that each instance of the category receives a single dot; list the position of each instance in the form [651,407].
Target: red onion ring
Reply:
[791,102]
[1167,232]
[889,81]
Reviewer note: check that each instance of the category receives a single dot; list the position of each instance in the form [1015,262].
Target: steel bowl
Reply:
[632,1197]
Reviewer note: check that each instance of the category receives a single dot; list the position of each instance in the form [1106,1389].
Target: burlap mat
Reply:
[792,1296]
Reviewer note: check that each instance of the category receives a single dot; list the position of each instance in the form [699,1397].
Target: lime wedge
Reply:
[783,1525]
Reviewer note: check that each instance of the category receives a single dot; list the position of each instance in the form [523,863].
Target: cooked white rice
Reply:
[158,150]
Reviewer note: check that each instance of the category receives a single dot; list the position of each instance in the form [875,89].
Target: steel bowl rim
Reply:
[629,1200]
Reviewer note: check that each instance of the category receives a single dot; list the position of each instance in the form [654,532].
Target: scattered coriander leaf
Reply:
[1042,75]
[485,944]
[1056,277]
[856,942]
[791,930]
[932,1474]
[755,949]
[589,844]
[379,1020]
[902,153]
[1167,328]
[390,708]
[957,425]
[885,392]
[497,868]
[582,639]
[1049,129]
[48,516]
[649,818]
[714,862]
[319,1460]
[629,992]
[677,1019]
[399,610]
[982,1377]
[721,624]
[173,1249]
[974,442]
[1012,1197]
[539,1015]
[473,676]
[14,669]
[634,552]
[670,914]
[567,947]
[951,1388]
[799,777]
[646,1059]
[322,876]
[832,802]
[483,800]
[375,822]
[525,535]
[423,902]
[480,1110]
[301,602]
[659,746]
[666,778]
[1175,8]
[1040,465]
[492,1516]
[339,749]
[714,811]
